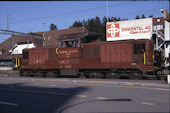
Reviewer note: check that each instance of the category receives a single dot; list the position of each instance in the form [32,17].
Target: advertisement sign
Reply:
[131,29]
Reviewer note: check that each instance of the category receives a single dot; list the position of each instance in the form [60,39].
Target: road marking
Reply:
[74,81]
[81,95]
[45,92]
[102,98]
[10,104]
[142,84]
[129,84]
[112,85]
[146,103]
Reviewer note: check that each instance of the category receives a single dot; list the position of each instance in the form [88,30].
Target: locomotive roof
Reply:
[76,36]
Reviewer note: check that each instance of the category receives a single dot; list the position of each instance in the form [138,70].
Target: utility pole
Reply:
[107,10]
[7,23]
[44,34]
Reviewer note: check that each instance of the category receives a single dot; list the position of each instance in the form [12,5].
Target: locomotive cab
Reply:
[71,50]
[77,40]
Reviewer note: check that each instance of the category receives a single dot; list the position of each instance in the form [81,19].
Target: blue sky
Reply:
[28,16]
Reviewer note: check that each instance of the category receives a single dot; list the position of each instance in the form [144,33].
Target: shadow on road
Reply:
[120,100]
[31,99]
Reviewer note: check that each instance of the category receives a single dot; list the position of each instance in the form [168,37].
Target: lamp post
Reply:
[44,25]
[44,34]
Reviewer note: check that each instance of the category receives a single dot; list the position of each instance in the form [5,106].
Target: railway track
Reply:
[9,73]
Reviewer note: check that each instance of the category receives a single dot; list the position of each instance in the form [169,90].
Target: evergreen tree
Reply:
[143,16]
[118,19]
[150,16]
[104,20]
[114,19]
[53,27]
[97,25]
[77,24]
[137,17]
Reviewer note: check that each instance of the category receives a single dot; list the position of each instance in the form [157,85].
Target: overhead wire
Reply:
[125,13]
[80,11]
[68,13]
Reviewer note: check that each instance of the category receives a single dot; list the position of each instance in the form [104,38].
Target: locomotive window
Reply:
[25,55]
[61,44]
[139,48]
[76,43]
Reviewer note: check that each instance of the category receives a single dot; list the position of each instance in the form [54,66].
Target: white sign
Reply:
[131,29]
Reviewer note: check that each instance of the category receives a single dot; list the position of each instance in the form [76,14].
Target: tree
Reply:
[143,16]
[104,20]
[118,19]
[150,16]
[53,27]
[137,17]
[97,25]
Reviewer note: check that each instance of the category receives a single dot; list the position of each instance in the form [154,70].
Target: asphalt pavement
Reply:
[64,95]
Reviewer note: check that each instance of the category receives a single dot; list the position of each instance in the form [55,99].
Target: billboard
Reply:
[130,29]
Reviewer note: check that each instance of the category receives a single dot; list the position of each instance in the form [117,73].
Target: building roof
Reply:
[51,37]
[75,36]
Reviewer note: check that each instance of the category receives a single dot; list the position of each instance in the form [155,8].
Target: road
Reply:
[63,95]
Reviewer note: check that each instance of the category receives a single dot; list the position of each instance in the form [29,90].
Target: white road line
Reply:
[10,104]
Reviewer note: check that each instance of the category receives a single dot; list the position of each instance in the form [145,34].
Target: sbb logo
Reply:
[113,30]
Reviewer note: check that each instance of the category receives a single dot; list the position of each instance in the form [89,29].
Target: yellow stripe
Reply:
[18,61]
[129,84]
[111,85]
[102,98]
[151,104]
[81,95]
[56,50]
[144,56]
[74,81]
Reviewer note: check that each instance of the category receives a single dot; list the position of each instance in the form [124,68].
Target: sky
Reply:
[29,16]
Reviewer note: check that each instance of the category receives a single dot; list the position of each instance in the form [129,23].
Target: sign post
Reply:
[168,79]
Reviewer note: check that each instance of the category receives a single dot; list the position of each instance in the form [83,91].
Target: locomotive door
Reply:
[105,53]
[116,53]
[126,52]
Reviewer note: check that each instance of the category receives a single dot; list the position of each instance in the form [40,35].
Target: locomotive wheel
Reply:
[39,74]
[131,76]
[109,75]
[137,75]
[96,75]
[50,74]
[24,74]
[116,76]
[82,75]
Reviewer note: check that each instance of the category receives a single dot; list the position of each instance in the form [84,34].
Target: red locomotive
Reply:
[83,56]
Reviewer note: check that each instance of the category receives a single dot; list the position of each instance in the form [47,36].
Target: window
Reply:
[25,55]
[139,48]
[76,43]
[157,27]
[61,44]
[154,28]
